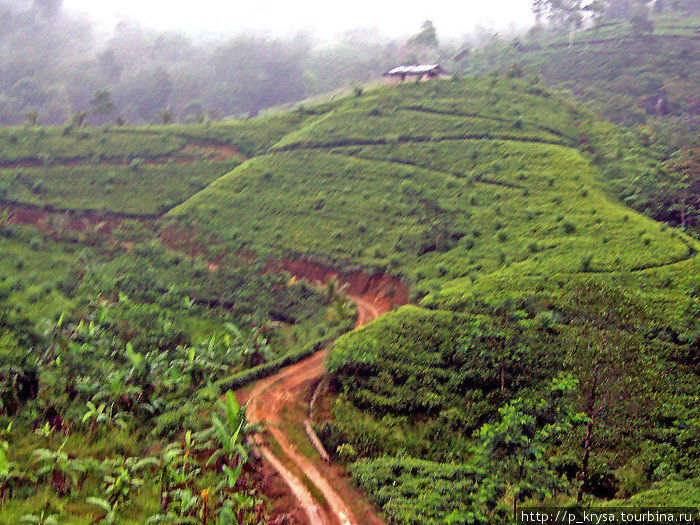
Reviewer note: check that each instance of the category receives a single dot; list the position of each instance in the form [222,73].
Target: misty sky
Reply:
[324,19]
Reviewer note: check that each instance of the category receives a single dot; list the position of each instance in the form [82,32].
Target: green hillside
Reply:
[114,347]
[641,72]
[430,203]
[487,195]
[551,325]
[112,169]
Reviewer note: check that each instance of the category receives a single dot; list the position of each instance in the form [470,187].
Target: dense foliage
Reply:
[57,67]
[111,364]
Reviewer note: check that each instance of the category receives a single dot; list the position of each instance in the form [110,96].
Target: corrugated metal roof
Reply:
[416,69]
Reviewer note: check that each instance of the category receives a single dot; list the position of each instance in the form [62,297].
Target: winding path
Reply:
[266,402]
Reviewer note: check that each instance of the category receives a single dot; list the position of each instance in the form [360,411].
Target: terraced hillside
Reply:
[115,347]
[111,169]
[640,73]
[619,69]
[484,195]
[438,193]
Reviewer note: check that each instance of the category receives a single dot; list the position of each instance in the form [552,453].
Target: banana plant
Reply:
[9,471]
[229,434]
[136,359]
[141,375]
[177,470]
[103,415]
[4,446]
[185,504]
[122,478]
[46,431]
[183,510]
[199,363]
[95,415]
[253,347]
[227,515]
[240,504]
[10,474]
[62,469]
[232,475]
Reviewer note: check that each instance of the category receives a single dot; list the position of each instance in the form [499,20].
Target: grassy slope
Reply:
[526,202]
[111,169]
[644,80]
[115,189]
[615,69]
[478,191]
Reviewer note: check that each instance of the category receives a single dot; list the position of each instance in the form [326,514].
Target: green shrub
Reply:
[346,452]
[568,227]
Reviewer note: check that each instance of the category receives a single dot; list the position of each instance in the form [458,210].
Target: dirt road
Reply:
[265,404]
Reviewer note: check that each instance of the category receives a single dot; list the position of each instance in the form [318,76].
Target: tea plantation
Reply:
[487,196]
[550,355]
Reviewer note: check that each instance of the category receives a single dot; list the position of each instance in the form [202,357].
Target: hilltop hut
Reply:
[415,73]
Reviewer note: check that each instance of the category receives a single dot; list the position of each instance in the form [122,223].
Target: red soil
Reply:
[49,220]
[383,291]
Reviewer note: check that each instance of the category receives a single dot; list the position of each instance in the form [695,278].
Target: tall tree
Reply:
[518,448]
[607,357]
[426,37]
[681,187]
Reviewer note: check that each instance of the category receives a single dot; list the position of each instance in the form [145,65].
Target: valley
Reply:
[476,292]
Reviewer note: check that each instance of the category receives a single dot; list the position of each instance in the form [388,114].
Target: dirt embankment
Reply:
[379,289]
[50,220]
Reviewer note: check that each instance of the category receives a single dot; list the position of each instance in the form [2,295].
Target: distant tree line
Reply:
[573,13]
[55,68]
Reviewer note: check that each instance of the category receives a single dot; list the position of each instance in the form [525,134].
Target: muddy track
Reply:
[267,401]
